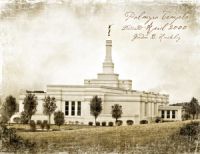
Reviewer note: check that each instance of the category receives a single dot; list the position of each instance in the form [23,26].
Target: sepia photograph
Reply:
[100,76]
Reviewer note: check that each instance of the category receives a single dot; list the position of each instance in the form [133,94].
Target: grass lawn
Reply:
[151,138]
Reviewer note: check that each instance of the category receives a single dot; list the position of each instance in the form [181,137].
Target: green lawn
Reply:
[151,138]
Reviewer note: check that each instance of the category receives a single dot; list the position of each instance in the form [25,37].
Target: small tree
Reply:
[9,107]
[116,111]
[49,106]
[95,107]
[59,118]
[30,105]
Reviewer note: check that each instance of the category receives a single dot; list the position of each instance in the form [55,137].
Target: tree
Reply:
[193,107]
[95,107]
[49,106]
[116,111]
[9,107]
[59,118]
[30,105]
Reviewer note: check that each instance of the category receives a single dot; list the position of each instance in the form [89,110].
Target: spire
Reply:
[108,57]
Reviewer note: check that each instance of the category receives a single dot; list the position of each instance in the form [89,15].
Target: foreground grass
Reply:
[151,138]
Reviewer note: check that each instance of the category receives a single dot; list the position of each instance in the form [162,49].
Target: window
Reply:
[73,108]
[155,108]
[146,109]
[79,108]
[173,114]
[66,108]
[162,114]
[168,113]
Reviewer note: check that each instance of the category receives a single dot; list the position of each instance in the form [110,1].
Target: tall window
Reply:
[162,114]
[73,108]
[168,113]
[155,108]
[79,108]
[66,108]
[146,109]
[173,114]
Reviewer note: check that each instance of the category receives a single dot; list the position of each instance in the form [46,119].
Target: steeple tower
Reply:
[108,66]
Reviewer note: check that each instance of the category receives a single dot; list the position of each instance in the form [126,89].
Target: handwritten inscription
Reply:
[166,26]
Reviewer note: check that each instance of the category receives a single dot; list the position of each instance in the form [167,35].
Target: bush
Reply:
[90,123]
[17,120]
[97,123]
[45,122]
[59,118]
[47,126]
[12,143]
[103,123]
[143,122]
[158,119]
[119,122]
[32,125]
[42,125]
[39,122]
[110,123]
[76,122]
[129,122]
[191,129]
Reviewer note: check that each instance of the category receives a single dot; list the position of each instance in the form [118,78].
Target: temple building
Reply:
[74,100]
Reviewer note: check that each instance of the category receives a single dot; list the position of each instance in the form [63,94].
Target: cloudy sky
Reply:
[65,44]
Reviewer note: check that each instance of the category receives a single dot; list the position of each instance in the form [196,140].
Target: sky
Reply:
[65,44]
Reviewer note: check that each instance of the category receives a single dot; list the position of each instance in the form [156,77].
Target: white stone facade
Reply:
[171,113]
[74,100]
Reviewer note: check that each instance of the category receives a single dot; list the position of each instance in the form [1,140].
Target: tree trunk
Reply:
[49,118]
[95,121]
[29,120]
[193,116]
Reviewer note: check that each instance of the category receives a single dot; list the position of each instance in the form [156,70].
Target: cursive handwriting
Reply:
[165,26]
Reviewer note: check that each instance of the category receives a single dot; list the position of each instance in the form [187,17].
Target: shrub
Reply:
[59,118]
[17,120]
[97,123]
[110,123]
[42,125]
[90,123]
[191,129]
[103,123]
[158,119]
[32,125]
[129,122]
[39,122]
[143,122]
[47,126]
[76,122]
[119,122]
[45,122]
[11,141]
